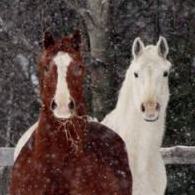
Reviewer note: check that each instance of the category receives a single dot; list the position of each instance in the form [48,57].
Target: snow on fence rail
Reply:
[179,155]
[171,155]
[6,157]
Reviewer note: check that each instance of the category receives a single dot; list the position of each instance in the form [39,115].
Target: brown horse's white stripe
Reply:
[62,96]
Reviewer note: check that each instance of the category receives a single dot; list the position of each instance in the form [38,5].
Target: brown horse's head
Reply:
[61,71]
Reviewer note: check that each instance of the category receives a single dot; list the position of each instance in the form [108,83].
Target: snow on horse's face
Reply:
[61,76]
[149,71]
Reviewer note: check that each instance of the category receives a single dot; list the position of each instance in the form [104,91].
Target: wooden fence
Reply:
[171,155]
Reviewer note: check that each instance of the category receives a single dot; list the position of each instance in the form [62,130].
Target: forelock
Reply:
[151,58]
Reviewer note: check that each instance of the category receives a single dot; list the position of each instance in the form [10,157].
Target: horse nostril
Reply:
[143,107]
[71,105]
[53,105]
[157,106]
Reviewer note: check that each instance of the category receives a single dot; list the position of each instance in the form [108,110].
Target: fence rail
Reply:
[6,157]
[171,155]
[179,155]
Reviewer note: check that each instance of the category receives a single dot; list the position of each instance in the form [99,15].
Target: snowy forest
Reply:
[108,30]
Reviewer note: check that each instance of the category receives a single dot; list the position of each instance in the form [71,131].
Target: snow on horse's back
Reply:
[67,153]
[139,116]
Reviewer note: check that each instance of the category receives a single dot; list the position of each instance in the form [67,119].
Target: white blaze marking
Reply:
[62,96]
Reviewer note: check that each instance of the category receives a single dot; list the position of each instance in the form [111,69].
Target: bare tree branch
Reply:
[73,4]
[9,118]
[95,14]
[104,6]
[88,16]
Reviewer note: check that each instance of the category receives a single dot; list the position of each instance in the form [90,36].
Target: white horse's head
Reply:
[149,72]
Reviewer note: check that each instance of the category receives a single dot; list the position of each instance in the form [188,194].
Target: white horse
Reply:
[139,116]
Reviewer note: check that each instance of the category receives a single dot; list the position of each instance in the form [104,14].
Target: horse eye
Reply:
[135,75]
[165,74]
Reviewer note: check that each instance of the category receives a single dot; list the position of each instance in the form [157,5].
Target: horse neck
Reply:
[125,95]
[130,120]
[67,134]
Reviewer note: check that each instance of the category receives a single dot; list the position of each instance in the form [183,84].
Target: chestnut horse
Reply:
[67,154]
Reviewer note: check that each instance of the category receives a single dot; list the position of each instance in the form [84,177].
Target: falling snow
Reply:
[22,24]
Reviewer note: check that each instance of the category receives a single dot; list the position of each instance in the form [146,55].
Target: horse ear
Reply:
[76,40]
[163,48]
[48,40]
[137,47]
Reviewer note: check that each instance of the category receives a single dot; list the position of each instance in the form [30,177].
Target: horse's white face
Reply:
[149,72]
[62,104]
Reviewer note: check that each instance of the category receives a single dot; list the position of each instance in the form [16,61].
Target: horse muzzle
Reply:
[150,111]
